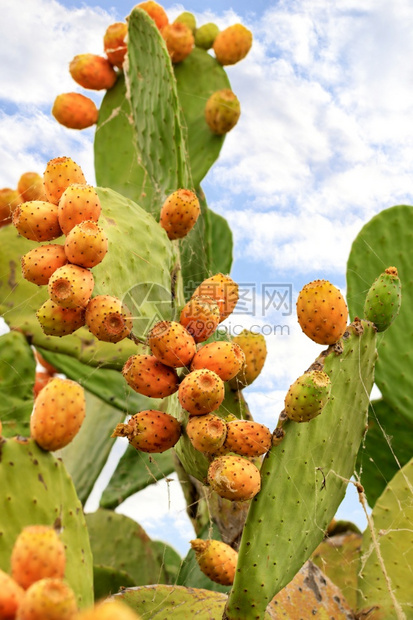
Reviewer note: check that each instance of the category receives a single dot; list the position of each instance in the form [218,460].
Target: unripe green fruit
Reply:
[383,300]
[188,19]
[205,35]
[222,111]
[307,396]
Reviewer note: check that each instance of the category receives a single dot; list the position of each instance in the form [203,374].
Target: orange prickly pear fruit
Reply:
[11,596]
[202,391]
[41,262]
[200,317]
[234,477]
[9,200]
[37,220]
[108,610]
[148,376]
[58,413]
[37,553]
[179,41]
[114,43]
[61,172]
[221,288]
[246,438]
[224,358]
[156,11]
[48,599]
[222,111]
[30,187]
[92,71]
[75,111]
[206,432]
[307,396]
[41,379]
[71,286]
[108,318]
[322,312]
[86,244]
[255,351]
[150,431]
[179,213]
[232,44]
[171,344]
[58,321]
[78,203]
[216,559]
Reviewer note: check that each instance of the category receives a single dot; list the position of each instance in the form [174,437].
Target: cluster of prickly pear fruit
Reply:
[29,187]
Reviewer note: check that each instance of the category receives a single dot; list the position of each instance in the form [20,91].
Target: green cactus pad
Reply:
[37,489]
[392,518]
[305,476]
[108,580]
[169,559]
[383,300]
[221,243]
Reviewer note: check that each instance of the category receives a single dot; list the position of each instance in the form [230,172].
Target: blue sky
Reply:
[324,142]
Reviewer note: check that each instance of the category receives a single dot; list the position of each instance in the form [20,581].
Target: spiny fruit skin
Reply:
[307,396]
[78,203]
[222,111]
[234,477]
[383,300]
[148,376]
[61,172]
[37,220]
[322,312]
[179,213]
[200,317]
[255,351]
[30,187]
[221,288]
[232,44]
[86,244]
[216,559]
[48,599]
[71,286]
[11,596]
[58,321]
[246,438]
[188,19]
[205,35]
[37,553]
[171,344]
[114,43]
[75,111]
[92,71]
[202,391]
[156,12]
[108,610]
[58,414]
[150,431]
[9,200]
[179,41]
[108,318]
[224,358]
[41,262]
[207,432]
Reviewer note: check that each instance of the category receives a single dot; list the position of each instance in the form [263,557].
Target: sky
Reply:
[324,142]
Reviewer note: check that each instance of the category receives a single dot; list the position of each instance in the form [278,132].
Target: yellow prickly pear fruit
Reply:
[108,610]
[246,438]
[114,43]
[78,203]
[61,172]
[221,288]
[48,599]
[71,286]
[216,559]
[200,317]
[322,312]
[156,12]
[11,596]
[9,200]
[148,376]
[86,244]
[108,318]
[171,344]
[255,351]
[179,41]
[222,111]
[150,431]
[93,72]
[202,391]
[37,220]
[39,264]
[30,187]
[179,213]
[58,321]
[224,358]
[232,44]
[75,111]
[206,432]
[234,477]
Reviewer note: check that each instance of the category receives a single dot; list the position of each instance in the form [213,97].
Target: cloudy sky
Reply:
[324,142]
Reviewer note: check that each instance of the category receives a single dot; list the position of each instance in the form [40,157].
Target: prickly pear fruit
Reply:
[41,379]
[86,244]
[322,312]
[71,286]
[58,414]
[46,365]
[216,559]
[37,553]
[206,432]
[307,396]
[202,391]
[37,220]
[61,172]
[30,187]
[383,300]
[9,200]
[246,438]
[150,431]
[232,44]
[41,262]
[205,35]
[222,111]
[58,321]
[179,213]
[221,288]
[179,41]
[224,358]
[108,318]
[75,111]
[78,203]
[200,317]
[255,351]
[114,43]
[48,599]
[92,71]
[188,19]
[148,376]
[108,610]
[171,344]
[156,12]
[234,477]
[11,596]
